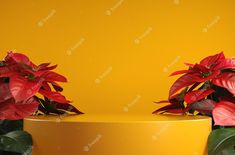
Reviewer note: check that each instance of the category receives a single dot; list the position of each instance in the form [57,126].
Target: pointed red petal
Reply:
[194,86]
[55,96]
[226,80]
[49,68]
[163,101]
[212,60]
[196,95]
[211,76]
[15,111]
[183,81]
[226,64]
[224,114]
[17,58]
[43,65]
[46,86]
[52,77]
[189,64]
[200,68]
[22,88]
[8,69]
[180,72]
[167,108]
[57,87]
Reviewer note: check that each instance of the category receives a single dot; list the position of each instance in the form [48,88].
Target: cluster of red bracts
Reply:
[207,87]
[21,81]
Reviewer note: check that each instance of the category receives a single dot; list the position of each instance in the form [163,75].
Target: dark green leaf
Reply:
[222,142]
[10,125]
[16,141]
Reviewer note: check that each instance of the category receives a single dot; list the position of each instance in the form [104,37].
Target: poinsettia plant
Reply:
[207,88]
[29,89]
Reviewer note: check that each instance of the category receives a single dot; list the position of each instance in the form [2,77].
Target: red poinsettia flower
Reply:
[214,77]
[224,113]
[21,80]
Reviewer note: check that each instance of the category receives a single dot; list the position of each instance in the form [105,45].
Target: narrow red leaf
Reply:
[189,64]
[167,108]
[210,77]
[194,86]
[57,87]
[183,81]
[15,111]
[55,96]
[52,77]
[224,114]
[200,68]
[42,66]
[163,101]
[36,73]
[176,111]
[226,64]
[212,60]
[226,80]
[9,68]
[46,86]
[49,68]
[22,88]
[17,58]
[32,65]
[196,95]
[180,72]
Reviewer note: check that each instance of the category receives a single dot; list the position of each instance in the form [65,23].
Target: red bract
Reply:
[226,80]
[196,95]
[13,58]
[206,86]
[211,61]
[14,111]
[224,113]
[23,88]
[21,80]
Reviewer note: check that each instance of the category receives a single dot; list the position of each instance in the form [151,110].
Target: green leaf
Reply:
[10,125]
[222,142]
[16,141]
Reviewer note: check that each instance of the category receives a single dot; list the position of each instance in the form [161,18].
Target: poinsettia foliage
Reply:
[27,88]
[207,87]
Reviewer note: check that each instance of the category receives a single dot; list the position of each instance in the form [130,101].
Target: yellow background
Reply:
[117,54]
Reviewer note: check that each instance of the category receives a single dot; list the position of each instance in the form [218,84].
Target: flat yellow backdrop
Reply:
[117,54]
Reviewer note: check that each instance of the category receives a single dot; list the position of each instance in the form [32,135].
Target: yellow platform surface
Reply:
[119,134]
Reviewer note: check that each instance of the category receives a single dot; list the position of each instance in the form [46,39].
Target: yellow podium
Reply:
[119,134]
